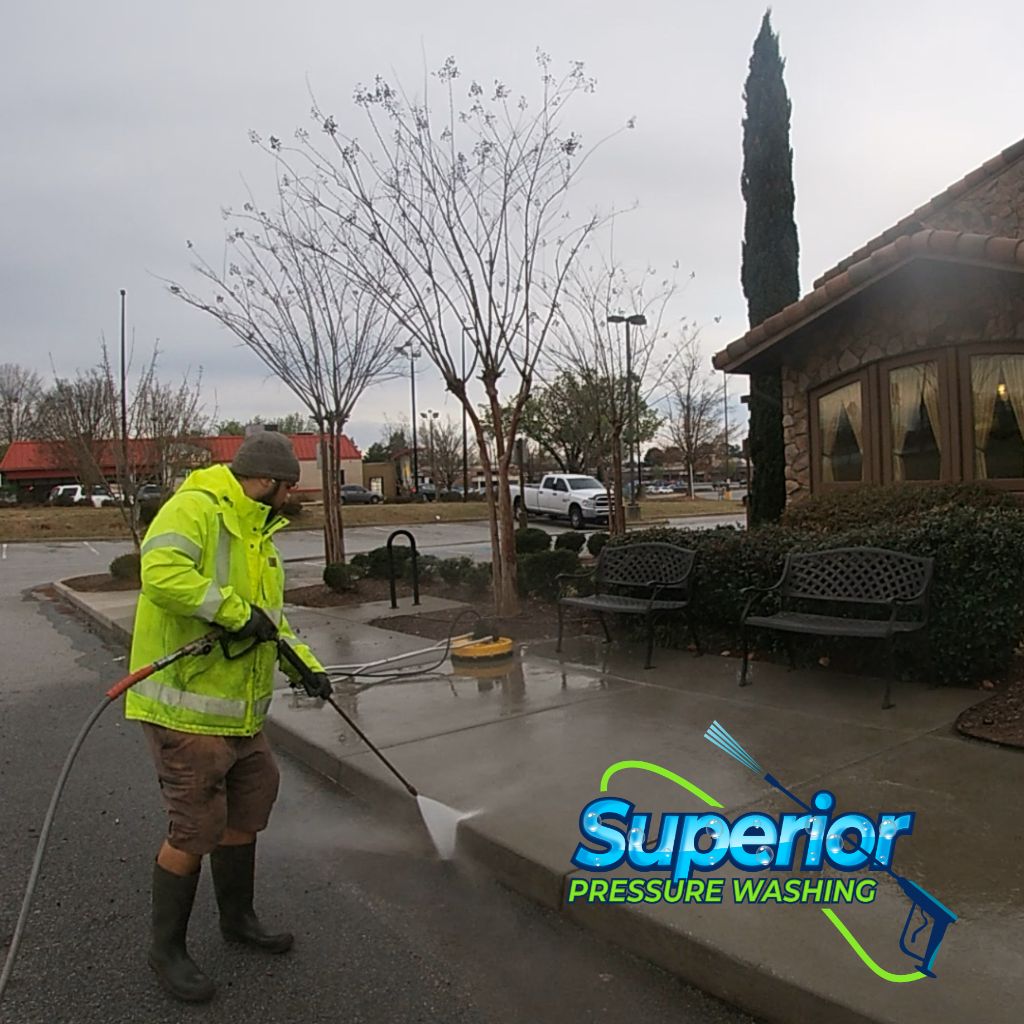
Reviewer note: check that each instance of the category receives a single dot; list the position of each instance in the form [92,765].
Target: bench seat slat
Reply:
[619,603]
[830,625]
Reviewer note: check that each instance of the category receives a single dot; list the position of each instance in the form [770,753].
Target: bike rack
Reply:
[415,567]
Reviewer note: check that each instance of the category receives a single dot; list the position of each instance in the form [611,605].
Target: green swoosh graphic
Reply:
[648,766]
[860,951]
[657,769]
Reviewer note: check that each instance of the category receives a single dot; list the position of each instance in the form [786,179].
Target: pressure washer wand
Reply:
[202,645]
[306,676]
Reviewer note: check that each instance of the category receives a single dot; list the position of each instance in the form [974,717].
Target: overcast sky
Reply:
[125,131]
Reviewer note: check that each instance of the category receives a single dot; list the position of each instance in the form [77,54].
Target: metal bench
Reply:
[662,571]
[886,592]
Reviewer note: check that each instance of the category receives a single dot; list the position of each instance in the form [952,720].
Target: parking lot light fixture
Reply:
[633,320]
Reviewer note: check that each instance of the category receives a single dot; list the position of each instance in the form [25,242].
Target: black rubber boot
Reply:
[173,896]
[234,872]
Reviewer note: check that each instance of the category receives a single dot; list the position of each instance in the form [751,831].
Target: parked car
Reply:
[75,494]
[356,494]
[149,492]
[582,498]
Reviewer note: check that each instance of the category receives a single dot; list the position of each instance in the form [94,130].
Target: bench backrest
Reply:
[636,565]
[858,575]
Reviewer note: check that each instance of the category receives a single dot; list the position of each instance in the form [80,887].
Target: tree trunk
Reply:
[330,485]
[689,473]
[503,541]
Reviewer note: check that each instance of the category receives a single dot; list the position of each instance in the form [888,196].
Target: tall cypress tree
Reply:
[770,255]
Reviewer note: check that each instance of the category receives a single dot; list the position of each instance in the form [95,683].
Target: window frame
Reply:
[965,394]
[869,453]
[945,358]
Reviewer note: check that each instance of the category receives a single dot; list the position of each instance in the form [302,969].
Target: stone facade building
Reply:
[906,362]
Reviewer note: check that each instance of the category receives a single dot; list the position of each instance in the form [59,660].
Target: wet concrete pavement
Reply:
[386,933]
[523,751]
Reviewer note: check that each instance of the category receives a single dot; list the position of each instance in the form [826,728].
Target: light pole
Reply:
[635,320]
[429,417]
[465,446]
[410,349]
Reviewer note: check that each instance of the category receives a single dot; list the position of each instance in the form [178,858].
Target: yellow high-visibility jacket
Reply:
[208,555]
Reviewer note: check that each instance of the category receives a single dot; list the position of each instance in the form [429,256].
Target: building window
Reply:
[915,422]
[997,396]
[841,430]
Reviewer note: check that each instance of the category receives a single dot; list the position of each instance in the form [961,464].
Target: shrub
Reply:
[455,571]
[596,542]
[426,568]
[450,496]
[375,563]
[531,540]
[402,499]
[342,578]
[869,506]
[478,578]
[127,567]
[571,541]
[538,572]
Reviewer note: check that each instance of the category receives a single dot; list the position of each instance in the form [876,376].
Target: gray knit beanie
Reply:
[267,453]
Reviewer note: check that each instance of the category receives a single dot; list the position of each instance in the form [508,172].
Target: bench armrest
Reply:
[754,594]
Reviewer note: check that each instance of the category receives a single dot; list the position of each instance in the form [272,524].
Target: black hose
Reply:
[44,835]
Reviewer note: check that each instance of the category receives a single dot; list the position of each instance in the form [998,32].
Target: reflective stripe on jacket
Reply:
[207,556]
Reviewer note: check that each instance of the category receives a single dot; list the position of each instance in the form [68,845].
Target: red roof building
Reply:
[45,463]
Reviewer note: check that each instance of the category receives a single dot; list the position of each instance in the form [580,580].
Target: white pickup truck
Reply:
[581,499]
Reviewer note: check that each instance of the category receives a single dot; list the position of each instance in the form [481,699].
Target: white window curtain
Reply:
[908,387]
[984,390]
[830,412]
[1013,375]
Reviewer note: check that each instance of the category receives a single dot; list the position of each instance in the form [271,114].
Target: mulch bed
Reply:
[100,581]
[1000,719]
[534,622]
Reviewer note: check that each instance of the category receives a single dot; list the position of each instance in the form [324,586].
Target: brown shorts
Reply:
[210,783]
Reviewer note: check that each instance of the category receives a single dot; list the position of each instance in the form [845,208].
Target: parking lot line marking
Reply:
[3,556]
[90,547]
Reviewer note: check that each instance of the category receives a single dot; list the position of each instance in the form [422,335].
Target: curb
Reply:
[739,983]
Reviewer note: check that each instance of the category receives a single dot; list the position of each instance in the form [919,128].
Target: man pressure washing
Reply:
[209,559]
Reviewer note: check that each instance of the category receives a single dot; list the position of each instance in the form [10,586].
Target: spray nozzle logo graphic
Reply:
[928,919]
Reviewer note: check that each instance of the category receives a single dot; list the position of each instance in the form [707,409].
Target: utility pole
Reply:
[413,353]
[125,496]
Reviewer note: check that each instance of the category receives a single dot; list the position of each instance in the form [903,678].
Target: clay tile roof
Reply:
[932,243]
[912,222]
[39,458]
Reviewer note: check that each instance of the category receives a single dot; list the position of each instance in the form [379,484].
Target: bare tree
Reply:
[458,222]
[444,444]
[20,392]
[595,350]
[80,416]
[76,417]
[288,297]
[695,422]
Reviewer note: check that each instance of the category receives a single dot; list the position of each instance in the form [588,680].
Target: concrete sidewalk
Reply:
[524,751]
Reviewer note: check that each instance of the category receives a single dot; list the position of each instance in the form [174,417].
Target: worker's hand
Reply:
[259,626]
[317,684]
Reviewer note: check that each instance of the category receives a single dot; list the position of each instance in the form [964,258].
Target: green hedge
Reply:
[976,538]
[573,540]
[537,572]
[531,540]
[340,577]
[127,567]
[596,542]
[375,563]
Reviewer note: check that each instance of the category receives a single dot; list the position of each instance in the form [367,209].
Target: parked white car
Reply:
[75,494]
[580,498]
